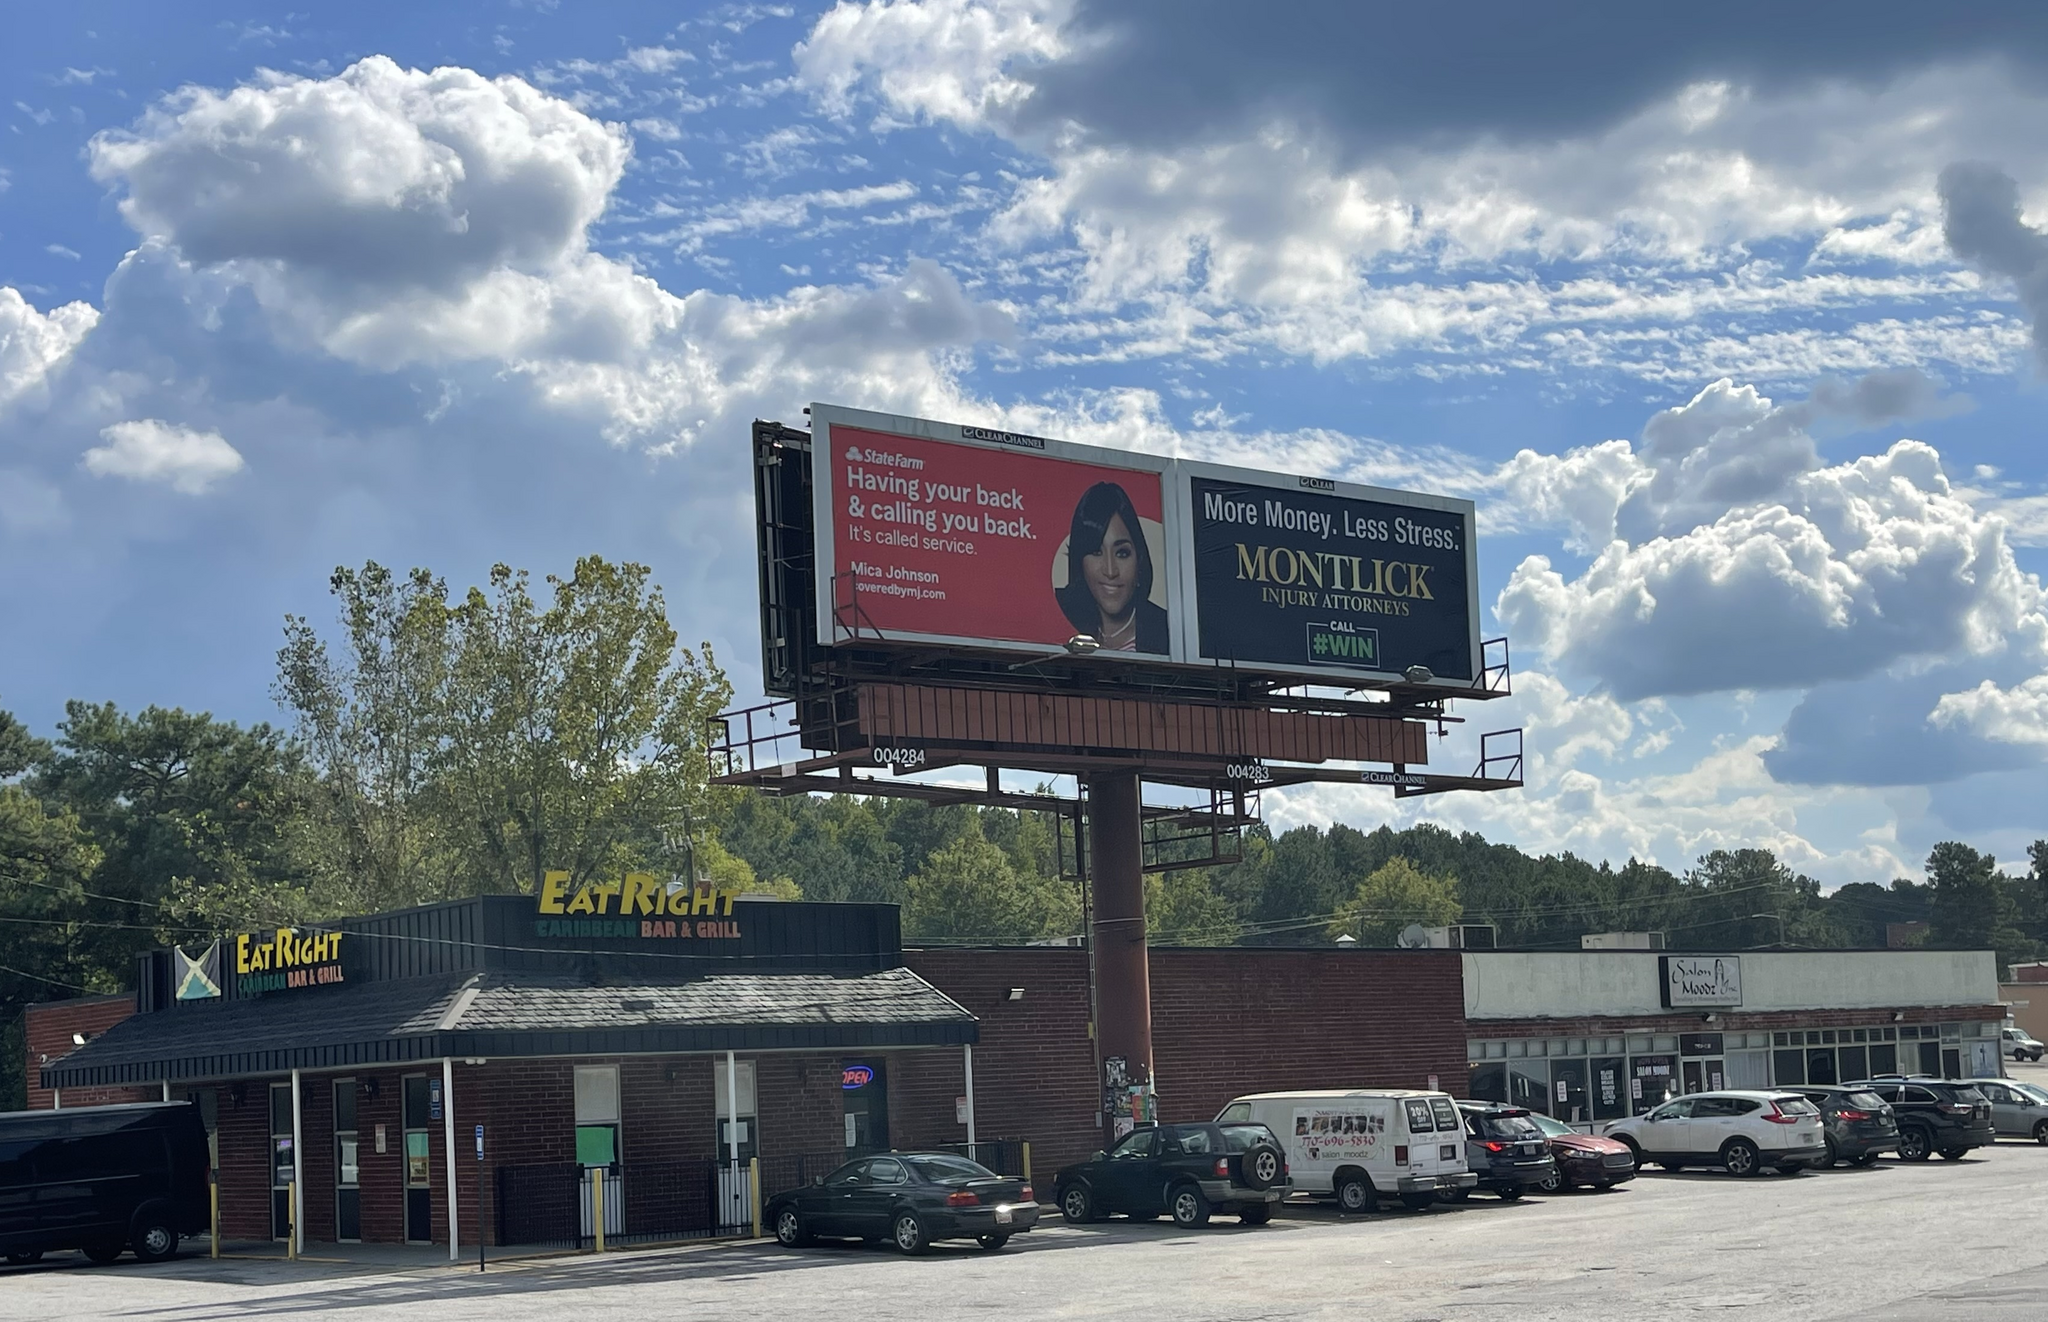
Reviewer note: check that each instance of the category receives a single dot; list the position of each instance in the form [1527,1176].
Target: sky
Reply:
[1729,321]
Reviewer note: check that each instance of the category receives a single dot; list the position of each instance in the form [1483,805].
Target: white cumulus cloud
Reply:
[33,344]
[151,450]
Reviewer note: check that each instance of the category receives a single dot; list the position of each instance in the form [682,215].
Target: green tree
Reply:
[1394,895]
[1972,909]
[1184,908]
[969,892]
[198,822]
[470,748]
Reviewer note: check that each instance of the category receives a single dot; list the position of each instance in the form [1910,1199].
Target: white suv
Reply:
[1742,1132]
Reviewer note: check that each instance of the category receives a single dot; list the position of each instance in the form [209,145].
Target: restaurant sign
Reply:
[639,905]
[286,960]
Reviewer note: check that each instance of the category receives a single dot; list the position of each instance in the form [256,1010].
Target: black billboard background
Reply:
[1305,578]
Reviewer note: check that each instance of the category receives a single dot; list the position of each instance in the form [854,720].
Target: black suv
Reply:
[1505,1149]
[1935,1115]
[1858,1123]
[1186,1171]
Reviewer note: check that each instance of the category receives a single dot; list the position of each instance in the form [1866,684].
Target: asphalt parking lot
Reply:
[1941,1240]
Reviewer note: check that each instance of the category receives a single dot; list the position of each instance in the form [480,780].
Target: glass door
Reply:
[864,1086]
[348,1194]
[419,1161]
[597,1144]
[281,1164]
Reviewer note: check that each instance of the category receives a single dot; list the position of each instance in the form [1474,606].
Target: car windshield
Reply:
[2032,1092]
[1239,1138]
[942,1169]
[1863,1101]
[1508,1127]
[1552,1128]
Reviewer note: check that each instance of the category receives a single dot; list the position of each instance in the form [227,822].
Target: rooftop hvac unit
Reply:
[1463,936]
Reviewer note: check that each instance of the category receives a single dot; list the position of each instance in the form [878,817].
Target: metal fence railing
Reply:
[1004,1156]
[540,1206]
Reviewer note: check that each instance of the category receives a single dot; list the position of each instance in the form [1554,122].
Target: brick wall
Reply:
[1224,1022]
[47,1029]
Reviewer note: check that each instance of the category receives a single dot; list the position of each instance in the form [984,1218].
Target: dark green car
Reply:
[1188,1172]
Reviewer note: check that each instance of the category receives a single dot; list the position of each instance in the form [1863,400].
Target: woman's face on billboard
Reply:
[1112,572]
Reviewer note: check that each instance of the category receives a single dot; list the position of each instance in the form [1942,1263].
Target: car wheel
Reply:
[1954,1154]
[1673,1166]
[154,1236]
[1190,1208]
[1867,1159]
[103,1253]
[1356,1195]
[790,1231]
[1914,1144]
[1458,1195]
[1077,1204]
[991,1242]
[23,1257]
[1553,1182]
[1834,1155]
[1260,1167]
[1739,1157]
[907,1232]
[1509,1193]
[1255,1214]
[2041,1133]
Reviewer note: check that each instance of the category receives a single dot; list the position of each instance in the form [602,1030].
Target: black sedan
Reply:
[908,1198]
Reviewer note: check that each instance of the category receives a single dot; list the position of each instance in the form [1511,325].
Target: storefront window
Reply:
[1610,1088]
[1529,1085]
[1653,1080]
[1855,1062]
[1884,1059]
[1568,1099]
[1788,1066]
[1489,1083]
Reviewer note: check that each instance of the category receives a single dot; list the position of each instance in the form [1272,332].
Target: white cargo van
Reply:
[1365,1144]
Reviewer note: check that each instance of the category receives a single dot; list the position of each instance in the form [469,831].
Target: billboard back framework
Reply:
[965,537]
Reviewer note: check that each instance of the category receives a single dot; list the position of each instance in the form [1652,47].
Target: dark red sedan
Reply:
[1584,1161]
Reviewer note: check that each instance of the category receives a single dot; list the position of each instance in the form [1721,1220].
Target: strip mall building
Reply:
[359,1065]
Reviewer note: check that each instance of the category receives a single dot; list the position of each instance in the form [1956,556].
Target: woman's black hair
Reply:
[1099,504]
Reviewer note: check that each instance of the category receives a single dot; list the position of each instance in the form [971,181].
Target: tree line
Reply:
[438,745]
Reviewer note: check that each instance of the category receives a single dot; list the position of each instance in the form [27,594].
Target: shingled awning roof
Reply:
[511,1015]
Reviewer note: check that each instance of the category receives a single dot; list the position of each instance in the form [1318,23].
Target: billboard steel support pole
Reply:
[1123,981]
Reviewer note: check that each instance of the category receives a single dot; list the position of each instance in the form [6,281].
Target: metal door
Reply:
[419,1163]
[1129,1176]
[348,1194]
[868,1203]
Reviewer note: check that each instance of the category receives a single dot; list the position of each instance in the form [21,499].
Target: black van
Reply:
[102,1179]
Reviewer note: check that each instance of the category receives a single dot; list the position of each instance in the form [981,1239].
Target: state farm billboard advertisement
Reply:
[933,532]
[990,537]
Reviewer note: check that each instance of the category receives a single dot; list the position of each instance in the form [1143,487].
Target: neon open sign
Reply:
[856,1076]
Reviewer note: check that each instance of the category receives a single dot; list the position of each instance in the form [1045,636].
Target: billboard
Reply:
[1297,574]
[933,532]
[991,537]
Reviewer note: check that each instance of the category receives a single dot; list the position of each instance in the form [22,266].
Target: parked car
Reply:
[2019,1044]
[103,1179]
[1858,1124]
[1935,1115]
[1741,1132]
[1364,1144]
[1584,1161]
[1505,1149]
[2018,1110]
[1186,1171]
[909,1198]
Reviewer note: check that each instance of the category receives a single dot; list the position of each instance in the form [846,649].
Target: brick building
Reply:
[358,1069]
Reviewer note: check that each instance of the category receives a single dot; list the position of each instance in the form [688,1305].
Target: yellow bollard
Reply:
[754,1191]
[597,1210]
[291,1220]
[213,1197]
[1027,1161]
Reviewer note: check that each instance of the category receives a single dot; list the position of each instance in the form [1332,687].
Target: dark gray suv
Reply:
[1505,1149]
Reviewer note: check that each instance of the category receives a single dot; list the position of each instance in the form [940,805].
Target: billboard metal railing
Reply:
[1494,670]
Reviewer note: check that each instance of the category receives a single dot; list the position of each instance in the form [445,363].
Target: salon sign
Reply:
[1701,980]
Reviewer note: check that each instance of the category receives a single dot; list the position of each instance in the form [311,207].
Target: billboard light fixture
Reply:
[1083,644]
[1418,674]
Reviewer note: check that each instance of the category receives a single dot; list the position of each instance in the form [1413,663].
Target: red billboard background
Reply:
[936,537]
